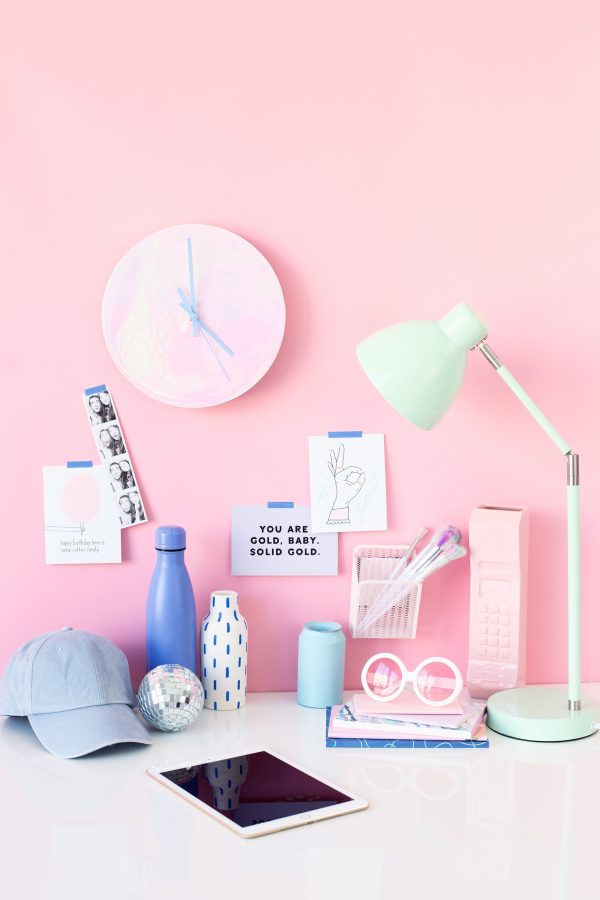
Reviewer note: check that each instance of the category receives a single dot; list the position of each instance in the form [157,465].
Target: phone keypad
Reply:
[493,630]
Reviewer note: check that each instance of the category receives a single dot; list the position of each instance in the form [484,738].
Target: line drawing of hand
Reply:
[349,481]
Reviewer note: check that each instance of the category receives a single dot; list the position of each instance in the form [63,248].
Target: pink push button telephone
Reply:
[498,541]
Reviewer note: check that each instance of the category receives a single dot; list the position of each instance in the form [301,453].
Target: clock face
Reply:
[193,315]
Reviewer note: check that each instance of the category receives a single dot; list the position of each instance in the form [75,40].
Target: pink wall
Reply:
[390,160]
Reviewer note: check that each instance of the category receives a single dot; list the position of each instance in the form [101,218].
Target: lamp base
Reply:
[540,712]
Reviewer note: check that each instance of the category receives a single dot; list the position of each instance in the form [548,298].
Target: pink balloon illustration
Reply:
[81,498]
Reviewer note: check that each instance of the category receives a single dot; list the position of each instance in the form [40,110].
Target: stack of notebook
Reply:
[406,722]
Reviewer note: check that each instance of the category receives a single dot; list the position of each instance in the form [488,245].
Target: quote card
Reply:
[81,523]
[279,541]
[347,483]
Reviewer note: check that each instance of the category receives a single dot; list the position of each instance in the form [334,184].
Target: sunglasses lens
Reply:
[436,682]
[384,677]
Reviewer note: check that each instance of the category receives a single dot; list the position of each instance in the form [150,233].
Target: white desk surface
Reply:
[518,820]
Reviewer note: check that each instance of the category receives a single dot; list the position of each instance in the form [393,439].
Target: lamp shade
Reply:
[419,366]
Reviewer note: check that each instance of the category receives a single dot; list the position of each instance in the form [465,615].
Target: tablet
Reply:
[257,792]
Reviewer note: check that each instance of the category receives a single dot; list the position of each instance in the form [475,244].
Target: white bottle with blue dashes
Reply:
[224,653]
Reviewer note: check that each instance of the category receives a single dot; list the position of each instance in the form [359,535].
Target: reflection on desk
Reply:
[517,820]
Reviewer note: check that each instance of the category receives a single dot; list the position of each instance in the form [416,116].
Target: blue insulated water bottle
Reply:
[171,608]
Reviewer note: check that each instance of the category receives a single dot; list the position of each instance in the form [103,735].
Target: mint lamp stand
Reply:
[545,712]
[418,367]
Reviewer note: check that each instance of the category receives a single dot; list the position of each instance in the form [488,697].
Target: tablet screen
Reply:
[255,788]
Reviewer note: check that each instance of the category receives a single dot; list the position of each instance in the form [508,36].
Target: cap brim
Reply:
[76,732]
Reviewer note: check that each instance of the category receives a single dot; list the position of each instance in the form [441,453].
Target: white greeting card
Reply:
[81,524]
[277,539]
[347,482]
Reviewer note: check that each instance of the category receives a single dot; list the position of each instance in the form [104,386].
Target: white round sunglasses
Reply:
[436,681]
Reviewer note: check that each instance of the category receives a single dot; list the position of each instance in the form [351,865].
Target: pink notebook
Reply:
[406,704]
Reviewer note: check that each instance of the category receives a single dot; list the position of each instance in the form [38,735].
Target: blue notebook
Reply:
[386,744]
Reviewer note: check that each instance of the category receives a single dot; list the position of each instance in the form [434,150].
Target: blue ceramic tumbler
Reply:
[321,651]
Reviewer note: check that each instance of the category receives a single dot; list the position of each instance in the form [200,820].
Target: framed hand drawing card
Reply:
[347,482]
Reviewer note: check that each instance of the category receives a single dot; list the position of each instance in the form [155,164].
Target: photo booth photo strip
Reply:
[347,482]
[276,539]
[109,439]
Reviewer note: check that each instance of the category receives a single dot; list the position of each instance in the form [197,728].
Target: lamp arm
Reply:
[524,397]
[573,524]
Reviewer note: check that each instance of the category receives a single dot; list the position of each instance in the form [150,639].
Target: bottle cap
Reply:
[170,537]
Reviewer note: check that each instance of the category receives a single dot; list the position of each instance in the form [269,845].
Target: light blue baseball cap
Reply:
[75,689]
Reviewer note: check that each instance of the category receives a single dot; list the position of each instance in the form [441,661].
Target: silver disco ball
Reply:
[170,697]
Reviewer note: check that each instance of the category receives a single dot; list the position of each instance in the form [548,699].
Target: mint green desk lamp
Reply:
[419,367]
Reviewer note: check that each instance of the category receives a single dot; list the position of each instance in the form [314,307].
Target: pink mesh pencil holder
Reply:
[372,566]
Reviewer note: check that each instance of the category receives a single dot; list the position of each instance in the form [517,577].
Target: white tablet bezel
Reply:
[354,804]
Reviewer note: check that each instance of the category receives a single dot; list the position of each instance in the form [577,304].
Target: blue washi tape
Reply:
[339,434]
[280,504]
[95,390]
[79,464]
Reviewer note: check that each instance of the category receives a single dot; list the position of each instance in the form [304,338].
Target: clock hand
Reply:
[190,307]
[192,287]
[214,353]
[194,318]
[190,310]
